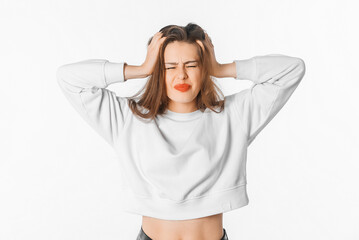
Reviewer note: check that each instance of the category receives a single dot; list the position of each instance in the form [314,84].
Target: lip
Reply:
[182,87]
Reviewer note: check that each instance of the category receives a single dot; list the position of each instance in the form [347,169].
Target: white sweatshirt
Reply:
[182,165]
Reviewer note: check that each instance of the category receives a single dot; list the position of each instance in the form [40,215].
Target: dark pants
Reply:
[143,236]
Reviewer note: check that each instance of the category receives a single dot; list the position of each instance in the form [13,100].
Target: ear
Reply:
[201,44]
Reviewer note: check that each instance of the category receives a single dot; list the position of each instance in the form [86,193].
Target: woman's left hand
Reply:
[215,71]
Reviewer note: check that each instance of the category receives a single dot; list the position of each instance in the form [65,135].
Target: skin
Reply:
[178,72]
[205,228]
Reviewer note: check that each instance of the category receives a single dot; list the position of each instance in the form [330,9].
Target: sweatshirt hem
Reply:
[202,206]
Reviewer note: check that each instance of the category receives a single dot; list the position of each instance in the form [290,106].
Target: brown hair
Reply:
[155,98]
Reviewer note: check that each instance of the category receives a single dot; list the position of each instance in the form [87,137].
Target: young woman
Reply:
[181,146]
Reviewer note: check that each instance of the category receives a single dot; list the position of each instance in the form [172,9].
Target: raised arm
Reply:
[274,77]
[84,85]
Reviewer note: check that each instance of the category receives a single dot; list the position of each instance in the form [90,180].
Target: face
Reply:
[183,76]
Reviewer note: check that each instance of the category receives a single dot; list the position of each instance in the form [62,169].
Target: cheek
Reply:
[197,80]
[168,85]
[168,81]
[168,78]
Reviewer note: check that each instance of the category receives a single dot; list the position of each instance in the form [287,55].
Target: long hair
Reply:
[155,99]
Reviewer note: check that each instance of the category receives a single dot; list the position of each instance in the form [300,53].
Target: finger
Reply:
[200,44]
[160,41]
[155,38]
[157,34]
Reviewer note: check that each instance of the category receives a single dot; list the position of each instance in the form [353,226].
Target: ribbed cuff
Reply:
[114,72]
[245,69]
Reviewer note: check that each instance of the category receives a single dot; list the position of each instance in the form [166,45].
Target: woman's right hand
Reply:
[152,53]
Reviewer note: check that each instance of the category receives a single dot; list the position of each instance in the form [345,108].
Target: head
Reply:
[182,61]
[183,76]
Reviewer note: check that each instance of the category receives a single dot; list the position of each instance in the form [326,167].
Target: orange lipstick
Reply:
[182,87]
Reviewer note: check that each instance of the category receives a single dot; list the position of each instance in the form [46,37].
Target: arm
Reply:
[225,70]
[84,85]
[274,77]
[131,71]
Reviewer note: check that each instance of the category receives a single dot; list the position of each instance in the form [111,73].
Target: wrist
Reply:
[144,70]
[217,70]
[225,70]
[132,71]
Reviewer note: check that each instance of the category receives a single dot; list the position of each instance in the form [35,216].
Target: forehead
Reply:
[180,51]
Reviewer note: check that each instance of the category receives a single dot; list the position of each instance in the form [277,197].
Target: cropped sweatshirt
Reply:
[182,165]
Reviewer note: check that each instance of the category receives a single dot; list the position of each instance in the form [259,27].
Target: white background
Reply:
[59,179]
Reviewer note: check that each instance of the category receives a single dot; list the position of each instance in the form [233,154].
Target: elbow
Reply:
[59,75]
[64,78]
[301,67]
[301,64]
[60,72]
[65,74]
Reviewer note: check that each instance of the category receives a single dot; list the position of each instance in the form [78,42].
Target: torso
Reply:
[206,228]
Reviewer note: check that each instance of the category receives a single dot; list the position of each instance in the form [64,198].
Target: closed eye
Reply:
[173,67]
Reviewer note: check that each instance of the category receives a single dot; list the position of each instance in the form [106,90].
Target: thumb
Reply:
[201,44]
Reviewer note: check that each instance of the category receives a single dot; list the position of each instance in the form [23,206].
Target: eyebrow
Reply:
[174,63]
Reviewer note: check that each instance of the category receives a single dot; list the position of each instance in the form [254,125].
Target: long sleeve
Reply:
[84,85]
[274,77]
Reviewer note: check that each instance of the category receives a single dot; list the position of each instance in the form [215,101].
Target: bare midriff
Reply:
[206,228]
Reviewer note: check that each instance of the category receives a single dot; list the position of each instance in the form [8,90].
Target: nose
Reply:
[182,72]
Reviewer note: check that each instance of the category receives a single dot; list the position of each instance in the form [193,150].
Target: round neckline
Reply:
[183,116]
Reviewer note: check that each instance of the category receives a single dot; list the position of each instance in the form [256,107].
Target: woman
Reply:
[184,163]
